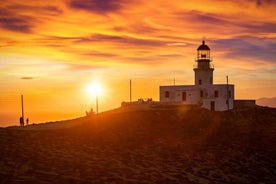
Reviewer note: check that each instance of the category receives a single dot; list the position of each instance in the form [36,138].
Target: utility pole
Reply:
[130,90]
[97,105]
[22,108]
[227,93]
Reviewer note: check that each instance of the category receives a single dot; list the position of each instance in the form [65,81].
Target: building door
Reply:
[184,96]
[212,105]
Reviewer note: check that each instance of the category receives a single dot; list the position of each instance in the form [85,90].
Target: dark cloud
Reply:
[101,54]
[247,48]
[27,78]
[200,18]
[16,23]
[131,58]
[12,20]
[260,3]
[141,46]
[206,22]
[259,27]
[140,28]
[123,40]
[40,10]
[52,10]
[55,41]
[96,6]
[47,37]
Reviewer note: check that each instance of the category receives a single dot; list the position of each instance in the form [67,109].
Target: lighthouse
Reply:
[204,93]
[203,68]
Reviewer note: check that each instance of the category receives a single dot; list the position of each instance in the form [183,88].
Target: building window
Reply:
[184,96]
[167,94]
[201,93]
[216,94]
[199,82]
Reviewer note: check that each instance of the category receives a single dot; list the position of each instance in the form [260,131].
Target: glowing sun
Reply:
[94,89]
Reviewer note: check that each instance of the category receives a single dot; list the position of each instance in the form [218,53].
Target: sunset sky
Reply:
[51,50]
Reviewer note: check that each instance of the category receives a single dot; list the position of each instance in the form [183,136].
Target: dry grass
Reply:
[158,146]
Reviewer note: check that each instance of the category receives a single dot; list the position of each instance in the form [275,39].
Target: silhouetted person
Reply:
[89,113]
[27,121]
[21,121]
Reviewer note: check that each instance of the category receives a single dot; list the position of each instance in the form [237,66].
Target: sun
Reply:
[94,89]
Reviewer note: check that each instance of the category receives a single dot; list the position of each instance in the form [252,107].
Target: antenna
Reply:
[97,105]
[130,90]
[22,108]
[227,92]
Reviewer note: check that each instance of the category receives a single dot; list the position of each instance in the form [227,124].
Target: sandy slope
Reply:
[158,146]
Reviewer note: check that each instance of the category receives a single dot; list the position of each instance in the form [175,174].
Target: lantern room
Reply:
[203,52]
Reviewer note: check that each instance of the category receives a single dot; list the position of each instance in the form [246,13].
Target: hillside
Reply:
[270,102]
[175,145]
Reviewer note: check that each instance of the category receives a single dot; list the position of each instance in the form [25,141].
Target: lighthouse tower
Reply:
[215,97]
[203,68]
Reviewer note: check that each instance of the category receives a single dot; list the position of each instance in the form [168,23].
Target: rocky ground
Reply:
[176,145]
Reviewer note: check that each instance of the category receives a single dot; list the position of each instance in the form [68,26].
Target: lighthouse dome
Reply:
[203,46]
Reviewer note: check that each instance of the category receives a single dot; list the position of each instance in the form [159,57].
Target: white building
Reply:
[215,97]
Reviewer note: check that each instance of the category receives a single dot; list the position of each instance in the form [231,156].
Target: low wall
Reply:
[241,104]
